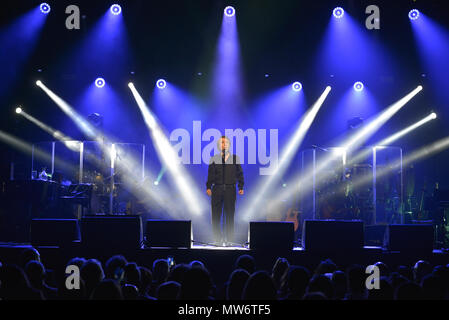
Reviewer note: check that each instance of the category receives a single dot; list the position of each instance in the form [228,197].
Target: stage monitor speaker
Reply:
[375,235]
[54,232]
[169,233]
[410,238]
[332,235]
[111,232]
[271,235]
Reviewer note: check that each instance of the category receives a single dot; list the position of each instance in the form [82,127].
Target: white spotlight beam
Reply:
[394,137]
[403,132]
[91,132]
[287,154]
[305,182]
[380,120]
[27,148]
[169,158]
[55,133]
[88,129]
[417,155]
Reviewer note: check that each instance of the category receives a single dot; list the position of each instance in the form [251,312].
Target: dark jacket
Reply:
[232,174]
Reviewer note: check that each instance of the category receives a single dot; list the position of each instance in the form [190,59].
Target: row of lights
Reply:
[45,8]
[161,84]
[297,86]
[100,82]
[339,12]
[229,11]
[116,9]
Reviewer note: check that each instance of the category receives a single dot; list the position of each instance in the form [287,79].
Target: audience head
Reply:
[356,278]
[321,283]
[297,280]
[259,286]
[245,262]
[35,272]
[340,284]
[279,271]
[115,267]
[77,261]
[236,283]
[196,285]
[92,274]
[197,264]
[406,272]
[146,278]
[169,290]
[178,272]
[15,285]
[383,269]
[132,274]
[29,254]
[326,266]
[421,269]
[107,289]
[160,270]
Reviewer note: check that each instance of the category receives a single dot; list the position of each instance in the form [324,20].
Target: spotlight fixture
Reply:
[297,86]
[413,14]
[156,183]
[358,86]
[161,84]
[130,84]
[19,110]
[116,9]
[45,8]
[99,82]
[338,12]
[38,83]
[229,11]
[433,115]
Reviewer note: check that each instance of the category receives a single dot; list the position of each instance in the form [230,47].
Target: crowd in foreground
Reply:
[119,279]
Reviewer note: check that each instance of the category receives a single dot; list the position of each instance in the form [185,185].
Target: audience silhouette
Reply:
[123,280]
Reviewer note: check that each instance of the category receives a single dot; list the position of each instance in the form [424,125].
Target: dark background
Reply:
[177,39]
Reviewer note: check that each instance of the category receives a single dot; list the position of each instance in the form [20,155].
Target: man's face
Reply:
[224,145]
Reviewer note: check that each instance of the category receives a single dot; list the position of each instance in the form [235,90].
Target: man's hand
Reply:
[241,192]
[209,192]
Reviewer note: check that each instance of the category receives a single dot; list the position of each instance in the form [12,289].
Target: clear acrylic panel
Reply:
[96,164]
[67,160]
[388,191]
[42,157]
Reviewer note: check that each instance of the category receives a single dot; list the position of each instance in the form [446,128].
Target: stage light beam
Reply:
[168,156]
[286,156]
[304,182]
[403,132]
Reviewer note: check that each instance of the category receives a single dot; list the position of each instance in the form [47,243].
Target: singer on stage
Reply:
[224,173]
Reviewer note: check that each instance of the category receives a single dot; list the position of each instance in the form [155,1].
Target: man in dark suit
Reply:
[224,173]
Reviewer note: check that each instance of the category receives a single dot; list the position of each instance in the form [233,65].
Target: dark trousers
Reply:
[223,202]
